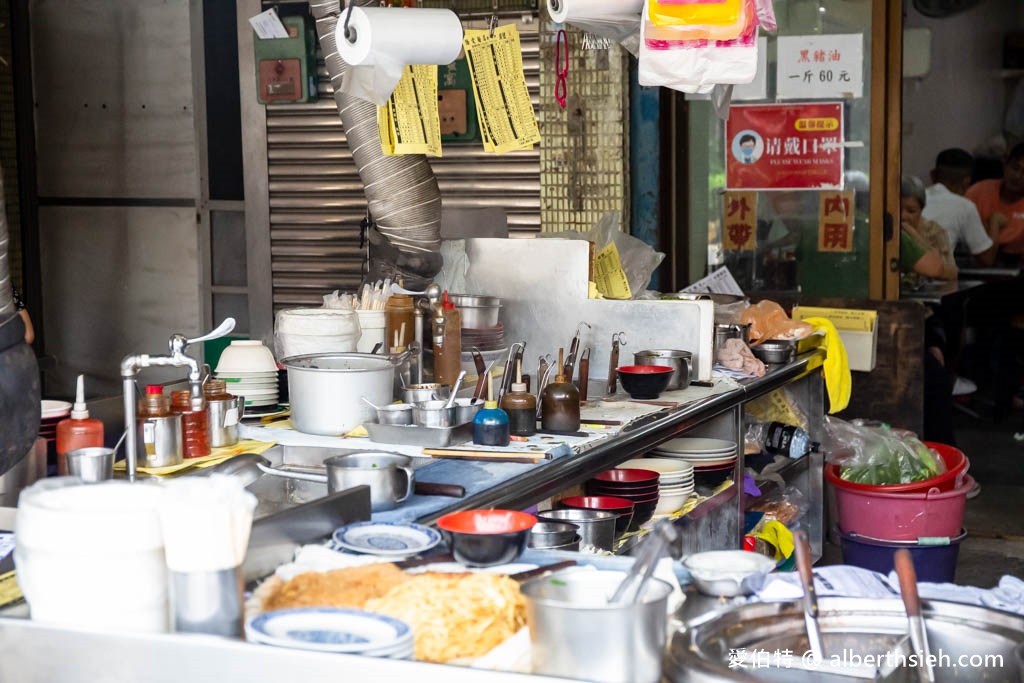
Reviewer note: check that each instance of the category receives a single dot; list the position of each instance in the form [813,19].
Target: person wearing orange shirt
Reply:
[1001,206]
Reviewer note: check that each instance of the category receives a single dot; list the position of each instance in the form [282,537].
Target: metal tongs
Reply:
[803,565]
[661,538]
[912,601]
[574,349]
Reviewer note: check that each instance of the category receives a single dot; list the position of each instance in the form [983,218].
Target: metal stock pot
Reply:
[326,390]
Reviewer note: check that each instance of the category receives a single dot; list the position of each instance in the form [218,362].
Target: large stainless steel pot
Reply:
[326,390]
[985,638]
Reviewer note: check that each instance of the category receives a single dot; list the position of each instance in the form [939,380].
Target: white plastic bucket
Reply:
[371,325]
[92,555]
[304,331]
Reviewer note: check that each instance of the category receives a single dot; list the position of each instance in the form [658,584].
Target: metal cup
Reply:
[389,475]
[159,440]
[433,414]
[224,417]
[207,602]
[466,409]
[91,464]
[397,414]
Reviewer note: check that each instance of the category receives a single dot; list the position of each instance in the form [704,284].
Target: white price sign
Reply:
[820,67]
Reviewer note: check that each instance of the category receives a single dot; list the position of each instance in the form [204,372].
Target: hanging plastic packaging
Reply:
[697,66]
[707,15]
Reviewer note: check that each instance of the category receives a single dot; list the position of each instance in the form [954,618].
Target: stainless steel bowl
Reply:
[597,528]
[478,312]
[396,414]
[416,393]
[775,351]
[728,573]
[553,534]
[466,409]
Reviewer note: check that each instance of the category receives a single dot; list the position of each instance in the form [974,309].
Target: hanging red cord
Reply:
[561,67]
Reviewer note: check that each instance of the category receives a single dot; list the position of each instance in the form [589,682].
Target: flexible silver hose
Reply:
[6,295]
[401,191]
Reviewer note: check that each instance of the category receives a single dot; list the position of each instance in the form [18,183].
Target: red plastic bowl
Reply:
[645,369]
[626,477]
[600,489]
[487,522]
[610,503]
[950,480]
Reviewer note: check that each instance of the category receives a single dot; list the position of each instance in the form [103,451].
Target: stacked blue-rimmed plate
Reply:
[385,539]
[333,629]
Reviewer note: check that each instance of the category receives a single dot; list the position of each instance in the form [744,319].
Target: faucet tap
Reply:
[131,365]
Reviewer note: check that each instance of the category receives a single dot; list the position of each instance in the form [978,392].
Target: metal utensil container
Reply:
[433,414]
[327,390]
[395,414]
[417,393]
[466,409]
[159,440]
[576,634]
[225,414]
[478,312]
[91,464]
[678,360]
[389,475]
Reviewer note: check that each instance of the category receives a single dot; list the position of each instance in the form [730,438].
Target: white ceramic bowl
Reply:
[670,502]
[246,355]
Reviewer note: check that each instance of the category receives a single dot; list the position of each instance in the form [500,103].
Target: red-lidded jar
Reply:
[195,436]
[154,403]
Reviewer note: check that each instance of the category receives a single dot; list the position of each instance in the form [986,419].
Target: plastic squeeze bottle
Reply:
[521,407]
[490,426]
[448,353]
[560,403]
[77,431]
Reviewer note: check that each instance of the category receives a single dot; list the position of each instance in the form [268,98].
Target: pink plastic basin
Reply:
[902,516]
[953,478]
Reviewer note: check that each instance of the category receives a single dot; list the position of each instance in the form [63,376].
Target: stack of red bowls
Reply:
[619,506]
[637,486]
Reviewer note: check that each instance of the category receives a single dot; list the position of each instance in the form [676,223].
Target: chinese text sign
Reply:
[820,67]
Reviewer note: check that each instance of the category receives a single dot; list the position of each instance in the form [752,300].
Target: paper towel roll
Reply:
[583,10]
[383,41]
[400,35]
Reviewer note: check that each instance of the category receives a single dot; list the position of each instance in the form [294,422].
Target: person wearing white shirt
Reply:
[947,206]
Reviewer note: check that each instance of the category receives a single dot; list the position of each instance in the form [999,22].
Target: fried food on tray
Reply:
[350,587]
[455,616]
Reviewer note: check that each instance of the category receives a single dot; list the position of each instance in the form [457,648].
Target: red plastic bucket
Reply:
[902,516]
[953,478]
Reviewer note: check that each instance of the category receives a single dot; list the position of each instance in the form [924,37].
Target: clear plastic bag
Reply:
[878,455]
[786,506]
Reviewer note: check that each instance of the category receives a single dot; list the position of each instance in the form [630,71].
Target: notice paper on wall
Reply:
[719,282]
[608,274]
[409,123]
[820,67]
[268,25]
[503,107]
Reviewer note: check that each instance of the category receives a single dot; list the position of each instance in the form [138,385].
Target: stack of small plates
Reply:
[484,339]
[713,460]
[52,413]
[333,629]
[258,388]
[675,483]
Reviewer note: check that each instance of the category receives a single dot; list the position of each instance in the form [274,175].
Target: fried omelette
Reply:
[455,616]
[350,587]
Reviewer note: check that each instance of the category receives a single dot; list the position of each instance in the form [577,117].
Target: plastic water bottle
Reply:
[778,438]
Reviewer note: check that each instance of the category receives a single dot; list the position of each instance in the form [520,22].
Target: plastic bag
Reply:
[878,455]
[670,57]
[638,259]
[768,320]
[783,506]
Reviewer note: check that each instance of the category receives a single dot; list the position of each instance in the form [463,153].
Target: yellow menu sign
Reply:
[853,319]
[503,107]
[609,275]
[409,123]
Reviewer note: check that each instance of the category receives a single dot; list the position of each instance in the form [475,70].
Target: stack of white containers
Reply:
[675,481]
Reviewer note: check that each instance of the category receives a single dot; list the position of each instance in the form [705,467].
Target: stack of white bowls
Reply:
[713,460]
[250,370]
[333,629]
[675,481]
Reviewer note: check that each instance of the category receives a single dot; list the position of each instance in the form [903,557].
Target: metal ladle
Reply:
[803,564]
[904,564]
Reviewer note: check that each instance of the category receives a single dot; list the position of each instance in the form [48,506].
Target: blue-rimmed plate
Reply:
[387,539]
[330,629]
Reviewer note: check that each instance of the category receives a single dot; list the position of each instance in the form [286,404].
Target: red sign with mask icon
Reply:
[784,147]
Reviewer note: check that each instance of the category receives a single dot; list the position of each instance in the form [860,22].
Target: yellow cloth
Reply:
[836,367]
[778,536]
[216,456]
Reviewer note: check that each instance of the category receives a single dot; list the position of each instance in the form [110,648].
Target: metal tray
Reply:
[413,435]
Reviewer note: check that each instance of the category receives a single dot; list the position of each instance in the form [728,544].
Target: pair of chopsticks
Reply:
[492,456]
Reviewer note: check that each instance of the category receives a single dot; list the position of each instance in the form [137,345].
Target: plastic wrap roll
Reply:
[381,42]
[589,10]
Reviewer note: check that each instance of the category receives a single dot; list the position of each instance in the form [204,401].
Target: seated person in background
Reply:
[924,246]
[947,206]
[1001,206]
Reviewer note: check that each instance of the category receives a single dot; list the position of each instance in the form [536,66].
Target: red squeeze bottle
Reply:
[77,431]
